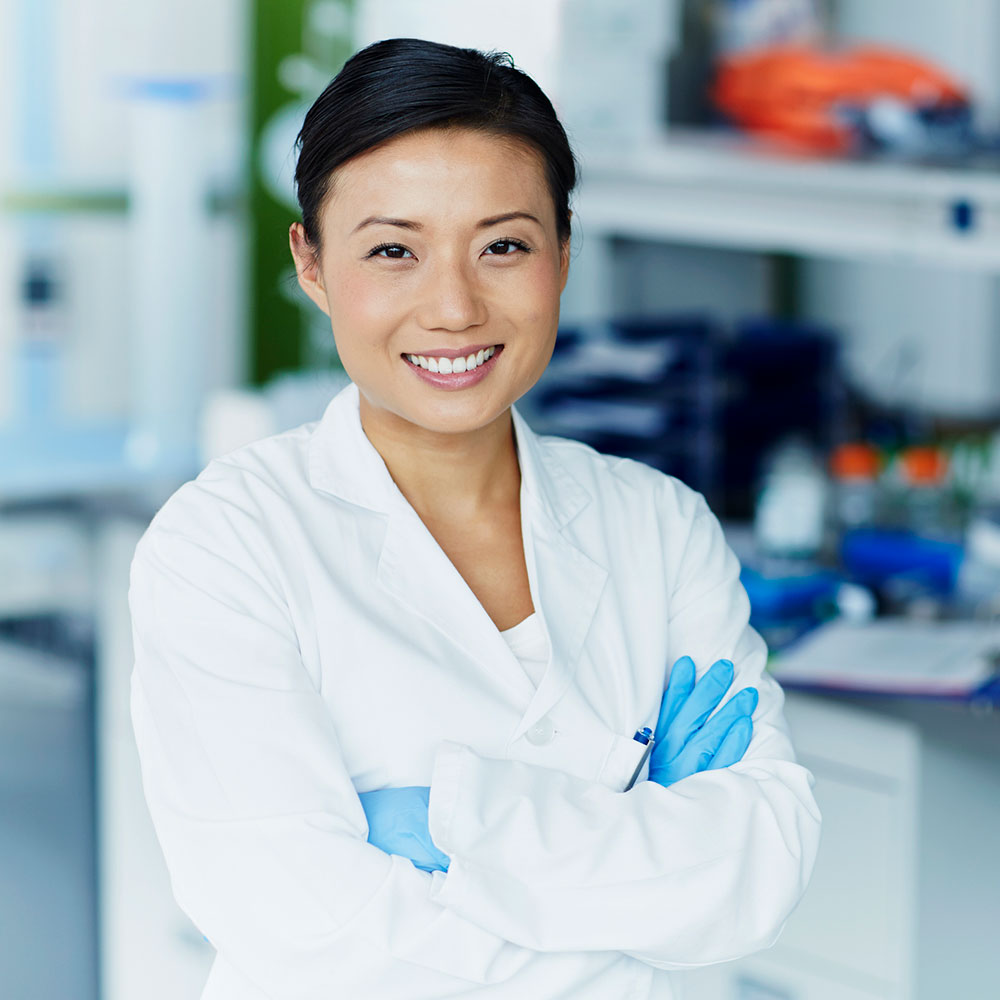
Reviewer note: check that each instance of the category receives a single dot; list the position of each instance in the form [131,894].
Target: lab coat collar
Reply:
[343,462]
[566,584]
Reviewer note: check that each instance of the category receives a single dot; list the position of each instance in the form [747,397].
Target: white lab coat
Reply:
[300,637]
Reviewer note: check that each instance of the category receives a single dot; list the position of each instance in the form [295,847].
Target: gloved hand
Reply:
[397,824]
[684,742]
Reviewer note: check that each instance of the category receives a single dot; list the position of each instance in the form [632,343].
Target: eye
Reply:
[393,251]
[504,247]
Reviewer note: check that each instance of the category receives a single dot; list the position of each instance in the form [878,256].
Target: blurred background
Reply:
[784,290]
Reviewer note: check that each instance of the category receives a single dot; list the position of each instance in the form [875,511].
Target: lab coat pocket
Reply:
[621,762]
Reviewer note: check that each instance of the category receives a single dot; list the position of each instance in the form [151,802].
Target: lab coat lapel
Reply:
[566,584]
[412,569]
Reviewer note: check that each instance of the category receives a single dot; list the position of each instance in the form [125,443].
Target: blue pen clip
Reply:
[644,735]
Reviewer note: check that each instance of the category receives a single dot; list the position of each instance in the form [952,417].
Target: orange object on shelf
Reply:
[856,460]
[791,94]
[924,466]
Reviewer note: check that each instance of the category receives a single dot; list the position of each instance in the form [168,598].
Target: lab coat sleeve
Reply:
[705,870]
[262,830]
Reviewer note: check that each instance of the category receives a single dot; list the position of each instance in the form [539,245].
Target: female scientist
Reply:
[389,665]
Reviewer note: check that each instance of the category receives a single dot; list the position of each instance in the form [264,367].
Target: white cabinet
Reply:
[856,923]
[905,882]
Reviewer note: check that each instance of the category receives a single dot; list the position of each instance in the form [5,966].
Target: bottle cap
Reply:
[856,460]
[924,466]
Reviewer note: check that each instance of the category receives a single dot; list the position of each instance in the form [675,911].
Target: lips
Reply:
[454,373]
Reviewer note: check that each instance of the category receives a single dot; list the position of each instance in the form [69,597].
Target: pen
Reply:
[644,735]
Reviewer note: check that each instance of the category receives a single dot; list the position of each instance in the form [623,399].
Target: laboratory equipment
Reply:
[920,497]
[909,564]
[646,389]
[854,468]
[788,597]
[120,240]
[791,513]
[170,286]
[583,54]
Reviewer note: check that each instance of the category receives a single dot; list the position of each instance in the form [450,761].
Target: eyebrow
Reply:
[381,220]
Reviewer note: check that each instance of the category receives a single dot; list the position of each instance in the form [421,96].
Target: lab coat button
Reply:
[541,732]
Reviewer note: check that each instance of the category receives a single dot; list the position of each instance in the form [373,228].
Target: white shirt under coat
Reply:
[300,637]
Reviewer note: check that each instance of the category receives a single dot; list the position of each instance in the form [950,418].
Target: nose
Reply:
[451,300]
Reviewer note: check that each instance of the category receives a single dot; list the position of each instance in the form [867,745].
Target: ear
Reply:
[564,261]
[307,266]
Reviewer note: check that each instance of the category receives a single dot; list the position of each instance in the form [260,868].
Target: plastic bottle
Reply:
[791,508]
[926,507]
[855,469]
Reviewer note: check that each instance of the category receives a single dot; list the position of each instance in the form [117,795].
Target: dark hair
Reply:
[403,84]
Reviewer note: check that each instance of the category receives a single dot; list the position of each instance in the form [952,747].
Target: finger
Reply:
[679,688]
[707,694]
[696,755]
[735,744]
[743,703]
[712,735]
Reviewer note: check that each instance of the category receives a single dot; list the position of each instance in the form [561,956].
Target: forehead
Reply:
[457,170]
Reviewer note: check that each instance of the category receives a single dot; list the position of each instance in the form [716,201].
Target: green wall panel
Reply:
[297,47]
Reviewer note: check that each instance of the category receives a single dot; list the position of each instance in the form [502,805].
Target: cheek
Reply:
[540,300]
[358,302]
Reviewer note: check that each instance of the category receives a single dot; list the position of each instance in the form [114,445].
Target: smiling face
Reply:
[439,244]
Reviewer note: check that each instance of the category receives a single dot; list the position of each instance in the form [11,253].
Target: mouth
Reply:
[458,364]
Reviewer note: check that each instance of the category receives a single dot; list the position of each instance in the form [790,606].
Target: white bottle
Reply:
[791,508]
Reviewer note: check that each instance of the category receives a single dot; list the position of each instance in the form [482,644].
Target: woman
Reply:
[389,665]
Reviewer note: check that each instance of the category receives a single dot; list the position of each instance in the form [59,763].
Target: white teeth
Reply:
[449,366]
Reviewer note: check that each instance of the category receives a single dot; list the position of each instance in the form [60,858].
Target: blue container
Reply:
[874,556]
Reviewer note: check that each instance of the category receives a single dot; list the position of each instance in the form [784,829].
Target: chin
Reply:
[458,420]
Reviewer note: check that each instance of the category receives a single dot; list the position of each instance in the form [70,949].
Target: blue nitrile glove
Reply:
[685,742]
[397,824]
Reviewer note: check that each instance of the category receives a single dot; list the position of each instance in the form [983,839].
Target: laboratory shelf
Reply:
[718,189]
[43,463]
[68,199]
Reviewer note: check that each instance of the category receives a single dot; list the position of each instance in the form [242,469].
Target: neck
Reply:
[460,476]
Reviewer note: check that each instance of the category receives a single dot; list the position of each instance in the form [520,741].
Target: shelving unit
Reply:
[715,189]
